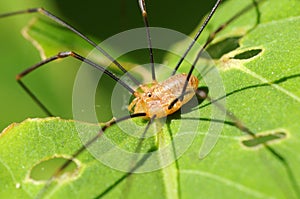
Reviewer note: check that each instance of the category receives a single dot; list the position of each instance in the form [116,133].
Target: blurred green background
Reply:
[98,19]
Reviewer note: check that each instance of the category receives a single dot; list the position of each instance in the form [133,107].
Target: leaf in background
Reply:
[50,38]
[262,91]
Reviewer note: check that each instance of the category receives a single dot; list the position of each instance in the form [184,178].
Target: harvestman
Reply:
[159,100]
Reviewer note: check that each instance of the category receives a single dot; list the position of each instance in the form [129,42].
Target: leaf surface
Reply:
[261,90]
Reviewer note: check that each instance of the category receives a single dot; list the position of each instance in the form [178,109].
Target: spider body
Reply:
[155,98]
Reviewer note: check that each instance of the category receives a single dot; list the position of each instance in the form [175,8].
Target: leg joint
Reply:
[65,54]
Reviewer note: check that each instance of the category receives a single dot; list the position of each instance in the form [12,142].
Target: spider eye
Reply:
[149,94]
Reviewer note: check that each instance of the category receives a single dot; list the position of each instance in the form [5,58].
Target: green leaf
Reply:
[50,38]
[52,138]
[261,90]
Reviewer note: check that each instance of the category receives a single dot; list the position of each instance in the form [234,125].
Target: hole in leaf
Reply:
[247,54]
[46,169]
[262,139]
[217,50]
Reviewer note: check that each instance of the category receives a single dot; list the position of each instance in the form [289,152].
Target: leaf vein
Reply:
[227,182]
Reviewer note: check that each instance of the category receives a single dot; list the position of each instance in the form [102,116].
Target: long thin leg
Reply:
[138,148]
[145,18]
[60,56]
[221,27]
[35,99]
[66,25]
[208,41]
[197,36]
[197,57]
[132,167]
[235,121]
[80,150]
[203,95]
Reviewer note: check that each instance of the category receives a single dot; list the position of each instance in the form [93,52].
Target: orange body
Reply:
[155,99]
